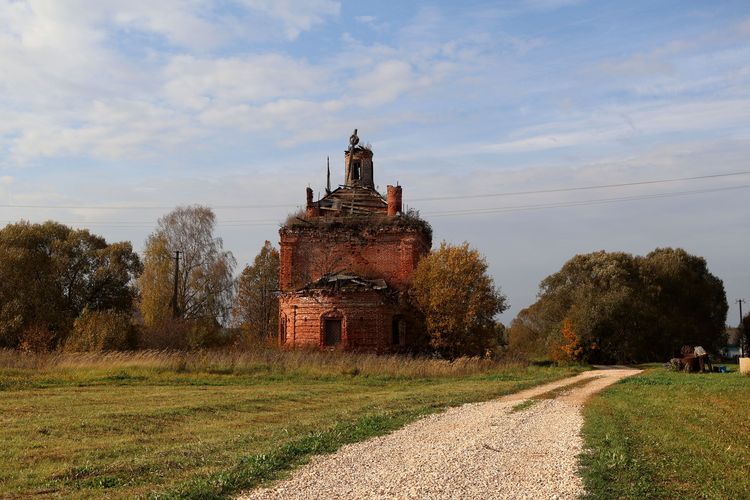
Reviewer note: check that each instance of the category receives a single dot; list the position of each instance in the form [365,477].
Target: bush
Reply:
[108,330]
[204,333]
[181,334]
[165,334]
[36,338]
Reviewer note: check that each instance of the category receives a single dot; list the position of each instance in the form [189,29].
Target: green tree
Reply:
[205,272]
[614,307]
[458,299]
[691,302]
[256,306]
[602,297]
[50,273]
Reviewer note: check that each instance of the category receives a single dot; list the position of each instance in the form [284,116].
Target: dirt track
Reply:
[483,450]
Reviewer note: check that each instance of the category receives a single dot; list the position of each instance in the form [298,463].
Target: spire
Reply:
[328,180]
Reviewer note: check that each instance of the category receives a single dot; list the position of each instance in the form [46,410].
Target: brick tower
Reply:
[346,265]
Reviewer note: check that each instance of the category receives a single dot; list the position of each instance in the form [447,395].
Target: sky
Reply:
[112,112]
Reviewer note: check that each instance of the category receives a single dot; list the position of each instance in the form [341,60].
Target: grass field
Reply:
[204,425]
[663,434]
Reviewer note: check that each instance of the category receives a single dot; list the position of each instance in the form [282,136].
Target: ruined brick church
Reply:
[347,262]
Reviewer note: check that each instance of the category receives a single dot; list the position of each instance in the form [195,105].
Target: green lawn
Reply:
[144,431]
[663,434]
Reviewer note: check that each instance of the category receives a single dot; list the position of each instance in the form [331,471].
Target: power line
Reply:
[433,198]
[579,188]
[472,211]
[518,208]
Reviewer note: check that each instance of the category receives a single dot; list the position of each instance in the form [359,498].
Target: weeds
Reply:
[261,360]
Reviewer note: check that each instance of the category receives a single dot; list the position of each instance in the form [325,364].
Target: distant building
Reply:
[732,348]
[347,263]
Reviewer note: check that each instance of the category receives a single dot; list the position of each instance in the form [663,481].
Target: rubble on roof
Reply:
[345,282]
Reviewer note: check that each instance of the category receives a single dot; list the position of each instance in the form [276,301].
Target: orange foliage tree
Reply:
[570,347]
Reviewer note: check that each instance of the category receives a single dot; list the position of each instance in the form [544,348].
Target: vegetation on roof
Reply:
[409,220]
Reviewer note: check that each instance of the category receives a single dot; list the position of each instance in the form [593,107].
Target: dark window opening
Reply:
[398,331]
[356,166]
[283,330]
[332,332]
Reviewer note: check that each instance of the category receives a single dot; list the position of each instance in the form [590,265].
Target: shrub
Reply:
[108,330]
[36,338]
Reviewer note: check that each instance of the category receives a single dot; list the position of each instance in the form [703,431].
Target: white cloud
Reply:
[296,16]
[620,123]
[200,83]
[111,129]
[385,83]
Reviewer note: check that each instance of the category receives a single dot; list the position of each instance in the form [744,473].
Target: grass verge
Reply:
[212,424]
[664,434]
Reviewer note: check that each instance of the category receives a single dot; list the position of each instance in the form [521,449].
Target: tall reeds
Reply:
[259,360]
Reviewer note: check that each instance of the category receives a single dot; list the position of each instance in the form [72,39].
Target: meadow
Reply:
[209,424]
[666,434]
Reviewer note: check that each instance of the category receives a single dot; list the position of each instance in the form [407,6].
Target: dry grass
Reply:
[259,360]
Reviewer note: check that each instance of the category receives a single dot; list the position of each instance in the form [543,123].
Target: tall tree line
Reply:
[616,307]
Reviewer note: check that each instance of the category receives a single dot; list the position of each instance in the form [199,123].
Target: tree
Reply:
[691,301]
[205,282]
[50,273]
[458,299]
[614,307]
[256,305]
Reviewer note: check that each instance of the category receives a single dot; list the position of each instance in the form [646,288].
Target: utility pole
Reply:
[175,309]
[743,334]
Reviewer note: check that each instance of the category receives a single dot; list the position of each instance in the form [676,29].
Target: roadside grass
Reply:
[665,434]
[206,425]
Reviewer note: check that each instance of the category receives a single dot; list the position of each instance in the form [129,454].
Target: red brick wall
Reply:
[365,316]
[390,253]
[307,253]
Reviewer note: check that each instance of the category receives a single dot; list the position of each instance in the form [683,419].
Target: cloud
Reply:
[385,82]
[296,16]
[199,83]
[621,123]
[110,130]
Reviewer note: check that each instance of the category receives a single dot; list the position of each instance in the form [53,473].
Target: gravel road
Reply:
[484,450]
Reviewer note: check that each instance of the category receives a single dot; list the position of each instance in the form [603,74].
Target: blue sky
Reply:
[148,105]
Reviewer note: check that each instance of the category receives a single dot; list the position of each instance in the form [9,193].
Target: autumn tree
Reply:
[616,307]
[459,301]
[256,305]
[50,273]
[204,282]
